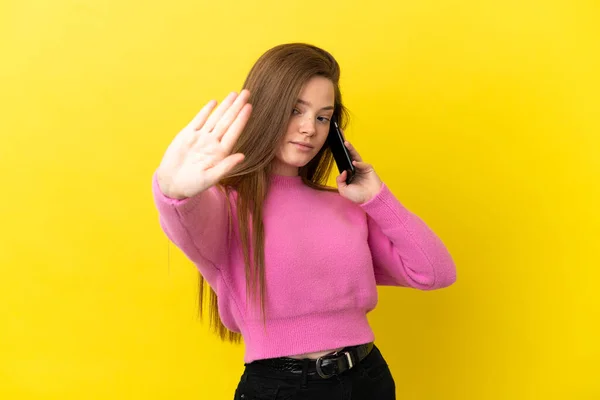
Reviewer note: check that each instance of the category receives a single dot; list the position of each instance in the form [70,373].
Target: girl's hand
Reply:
[200,155]
[365,185]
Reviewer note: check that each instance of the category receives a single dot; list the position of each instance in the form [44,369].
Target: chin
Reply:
[300,164]
[297,162]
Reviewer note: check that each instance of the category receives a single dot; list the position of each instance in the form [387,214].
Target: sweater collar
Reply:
[282,181]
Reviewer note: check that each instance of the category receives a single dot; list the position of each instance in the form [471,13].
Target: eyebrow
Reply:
[306,103]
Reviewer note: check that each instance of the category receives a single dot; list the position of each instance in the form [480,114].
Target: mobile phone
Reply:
[335,140]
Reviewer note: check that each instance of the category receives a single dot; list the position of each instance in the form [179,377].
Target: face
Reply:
[308,127]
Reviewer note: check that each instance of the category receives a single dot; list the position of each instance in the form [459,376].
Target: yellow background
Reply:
[482,116]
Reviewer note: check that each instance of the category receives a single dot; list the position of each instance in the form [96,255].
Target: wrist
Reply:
[164,185]
[374,192]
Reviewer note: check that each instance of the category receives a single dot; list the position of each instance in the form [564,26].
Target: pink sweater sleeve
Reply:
[405,251]
[198,226]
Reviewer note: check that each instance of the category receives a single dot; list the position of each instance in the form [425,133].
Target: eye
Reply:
[324,119]
[295,111]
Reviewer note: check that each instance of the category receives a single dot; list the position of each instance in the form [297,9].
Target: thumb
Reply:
[341,180]
[225,166]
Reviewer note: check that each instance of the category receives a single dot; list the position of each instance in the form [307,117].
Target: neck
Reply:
[283,169]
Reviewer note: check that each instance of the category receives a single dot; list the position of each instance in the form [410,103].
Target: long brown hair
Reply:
[274,82]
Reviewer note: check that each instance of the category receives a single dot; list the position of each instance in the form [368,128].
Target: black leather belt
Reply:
[325,366]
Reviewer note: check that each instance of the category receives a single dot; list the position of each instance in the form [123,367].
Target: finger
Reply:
[362,166]
[187,136]
[202,116]
[230,115]
[341,179]
[223,167]
[233,133]
[218,113]
[353,153]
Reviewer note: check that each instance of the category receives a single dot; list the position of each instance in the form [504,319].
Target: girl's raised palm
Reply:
[200,155]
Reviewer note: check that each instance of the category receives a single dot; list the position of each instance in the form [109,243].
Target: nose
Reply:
[308,126]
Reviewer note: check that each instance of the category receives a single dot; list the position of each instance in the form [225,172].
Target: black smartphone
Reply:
[335,140]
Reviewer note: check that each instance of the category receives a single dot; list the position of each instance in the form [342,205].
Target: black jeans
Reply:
[370,379]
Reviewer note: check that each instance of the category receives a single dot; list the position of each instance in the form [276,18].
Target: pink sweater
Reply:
[324,256]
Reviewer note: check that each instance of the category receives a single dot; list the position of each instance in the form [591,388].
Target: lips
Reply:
[308,146]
